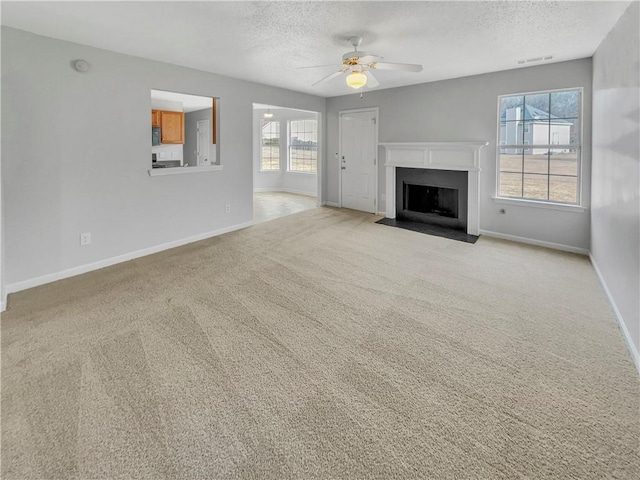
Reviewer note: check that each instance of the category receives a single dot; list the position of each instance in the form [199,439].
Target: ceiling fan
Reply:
[360,65]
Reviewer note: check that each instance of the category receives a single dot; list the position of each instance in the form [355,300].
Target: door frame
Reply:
[376,113]
[207,143]
[319,117]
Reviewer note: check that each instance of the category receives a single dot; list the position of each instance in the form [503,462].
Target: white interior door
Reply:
[203,148]
[358,150]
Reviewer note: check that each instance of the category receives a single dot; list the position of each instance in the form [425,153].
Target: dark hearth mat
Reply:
[430,229]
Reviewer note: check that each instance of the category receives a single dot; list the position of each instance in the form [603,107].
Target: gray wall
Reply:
[282,180]
[191,120]
[75,151]
[465,109]
[615,190]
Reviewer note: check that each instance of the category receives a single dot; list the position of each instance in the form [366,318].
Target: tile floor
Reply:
[270,205]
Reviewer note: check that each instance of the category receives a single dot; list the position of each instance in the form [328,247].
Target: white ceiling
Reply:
[190,103]
[266,41]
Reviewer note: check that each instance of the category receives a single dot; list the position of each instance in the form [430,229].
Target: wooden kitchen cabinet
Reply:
[172,127]
[155,118]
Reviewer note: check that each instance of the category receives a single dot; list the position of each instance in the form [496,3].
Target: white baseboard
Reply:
[623,328]
[539,243]
[285,190]
[89,267]
[331,204]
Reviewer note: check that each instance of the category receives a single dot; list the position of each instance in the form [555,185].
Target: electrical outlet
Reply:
[227,208]
[85,238]
[382,197]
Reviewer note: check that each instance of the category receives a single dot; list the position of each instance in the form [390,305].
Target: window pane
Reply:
[535,186]
[565,131]
[511,160]
[536,106]
[511,108]
[303,146]
[565,104]
[538,132]
[510,185]
[511,133]
[270,159]
[537,161]
[564,162]
[563,189]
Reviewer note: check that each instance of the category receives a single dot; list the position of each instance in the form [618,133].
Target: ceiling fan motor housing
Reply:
[355,55]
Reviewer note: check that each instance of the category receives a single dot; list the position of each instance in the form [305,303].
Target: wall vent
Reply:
[535,59]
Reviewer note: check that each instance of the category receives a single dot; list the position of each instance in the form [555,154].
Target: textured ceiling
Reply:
[266,41]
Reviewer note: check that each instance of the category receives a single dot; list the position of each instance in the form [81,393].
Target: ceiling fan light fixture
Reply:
[357,80]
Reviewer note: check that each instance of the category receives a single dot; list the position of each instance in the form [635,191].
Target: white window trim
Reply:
[575,207]
[526,202]
[298,172]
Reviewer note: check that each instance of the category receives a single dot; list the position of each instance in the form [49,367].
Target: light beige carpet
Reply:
[321,345]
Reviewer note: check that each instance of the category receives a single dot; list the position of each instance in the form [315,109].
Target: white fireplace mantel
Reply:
[461,156]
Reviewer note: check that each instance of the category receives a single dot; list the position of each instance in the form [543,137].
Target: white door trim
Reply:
[320,161]
[376,112]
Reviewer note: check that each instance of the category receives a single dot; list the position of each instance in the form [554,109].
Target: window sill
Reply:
[540,204]
[302,173]
[269,171]
[157,172]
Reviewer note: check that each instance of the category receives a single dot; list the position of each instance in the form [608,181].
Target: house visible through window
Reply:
[270,151]
[539,155]
[303,146]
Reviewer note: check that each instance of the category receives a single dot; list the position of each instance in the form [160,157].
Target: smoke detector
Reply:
[81,66]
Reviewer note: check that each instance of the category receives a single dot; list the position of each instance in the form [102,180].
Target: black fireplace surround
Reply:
[436,197]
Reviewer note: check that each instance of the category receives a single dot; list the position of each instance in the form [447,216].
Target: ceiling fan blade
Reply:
[329,77]
[407,67]
[371,80]
[318,66]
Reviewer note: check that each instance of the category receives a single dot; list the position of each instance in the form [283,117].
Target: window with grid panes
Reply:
[270,145]
[539,146]
[303,146]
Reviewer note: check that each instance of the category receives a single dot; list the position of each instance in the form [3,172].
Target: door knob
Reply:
[343,167]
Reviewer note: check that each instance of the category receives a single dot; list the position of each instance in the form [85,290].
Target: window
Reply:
[303,146]
[270,151]
[540,143]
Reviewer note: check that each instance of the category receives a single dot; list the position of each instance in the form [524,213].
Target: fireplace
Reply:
[433,157]
[431,200]
[437,197]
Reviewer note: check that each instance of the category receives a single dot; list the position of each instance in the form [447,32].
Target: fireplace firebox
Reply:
[437,197]
[431,200]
